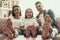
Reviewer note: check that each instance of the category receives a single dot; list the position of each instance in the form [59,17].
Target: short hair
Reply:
[13,10]
[38,2]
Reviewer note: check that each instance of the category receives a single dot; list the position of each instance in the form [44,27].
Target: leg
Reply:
[54,33]
[39,32]
[17,32]
[27,32]
[8,31]
[33,32]
[10,26]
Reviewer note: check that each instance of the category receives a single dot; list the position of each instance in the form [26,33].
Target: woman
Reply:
[17,20]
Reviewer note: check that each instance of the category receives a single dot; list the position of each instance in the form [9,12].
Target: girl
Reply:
[30,24]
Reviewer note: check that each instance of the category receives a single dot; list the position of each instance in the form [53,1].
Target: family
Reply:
[44,24]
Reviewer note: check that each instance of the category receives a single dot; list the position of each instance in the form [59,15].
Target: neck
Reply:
[17,17]
[41,12]
[29,17]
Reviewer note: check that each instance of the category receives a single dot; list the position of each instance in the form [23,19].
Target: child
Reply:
[47,28]
[30,23]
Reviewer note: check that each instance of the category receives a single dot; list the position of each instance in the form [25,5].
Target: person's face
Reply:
[39,7]
[16,11]
[29,13]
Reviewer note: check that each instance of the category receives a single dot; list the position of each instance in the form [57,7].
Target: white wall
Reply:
[48,4]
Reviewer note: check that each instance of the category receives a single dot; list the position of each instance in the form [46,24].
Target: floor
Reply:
[30,38]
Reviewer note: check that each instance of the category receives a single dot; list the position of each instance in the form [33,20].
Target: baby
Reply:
[46,27]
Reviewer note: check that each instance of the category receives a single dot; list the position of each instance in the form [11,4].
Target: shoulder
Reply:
[49,10]
[34,19]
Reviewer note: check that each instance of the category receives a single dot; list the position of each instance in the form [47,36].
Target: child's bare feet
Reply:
[27,33]
[34,33]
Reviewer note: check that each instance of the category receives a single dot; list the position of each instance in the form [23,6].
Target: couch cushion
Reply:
[58,23]
[57,37]
[2,37]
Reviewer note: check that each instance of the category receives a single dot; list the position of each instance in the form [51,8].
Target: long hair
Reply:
[26,12]
[10,11]
[13,10]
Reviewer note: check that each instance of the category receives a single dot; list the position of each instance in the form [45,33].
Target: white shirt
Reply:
[41,17]
[17,23]
[30,22]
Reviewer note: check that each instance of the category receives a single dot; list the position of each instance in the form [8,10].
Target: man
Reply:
[40,18]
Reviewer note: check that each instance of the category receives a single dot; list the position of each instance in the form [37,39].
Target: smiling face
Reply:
[16,11]
[28,13]
[39,7]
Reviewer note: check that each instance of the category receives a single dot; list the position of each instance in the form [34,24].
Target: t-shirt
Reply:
[41,17]
[30,22]
[17,23]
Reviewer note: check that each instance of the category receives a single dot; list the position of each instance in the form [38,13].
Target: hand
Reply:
[38,27]
[22,28]
[38,20]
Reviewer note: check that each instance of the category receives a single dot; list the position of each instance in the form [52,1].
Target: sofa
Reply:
[56,38]
[5,28]
[58,23]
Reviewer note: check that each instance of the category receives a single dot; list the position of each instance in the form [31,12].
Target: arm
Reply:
[51,14]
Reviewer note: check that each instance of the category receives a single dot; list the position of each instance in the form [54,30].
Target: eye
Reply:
[17,9]
[39,6]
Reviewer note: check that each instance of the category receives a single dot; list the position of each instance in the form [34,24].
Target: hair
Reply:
[13,10]
[26,12]
[9,12]
[38,2]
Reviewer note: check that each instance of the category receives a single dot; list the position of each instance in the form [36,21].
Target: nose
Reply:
[16,11]
[39,7]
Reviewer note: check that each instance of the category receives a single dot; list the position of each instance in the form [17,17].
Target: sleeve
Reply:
[51,14]
[37,16]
